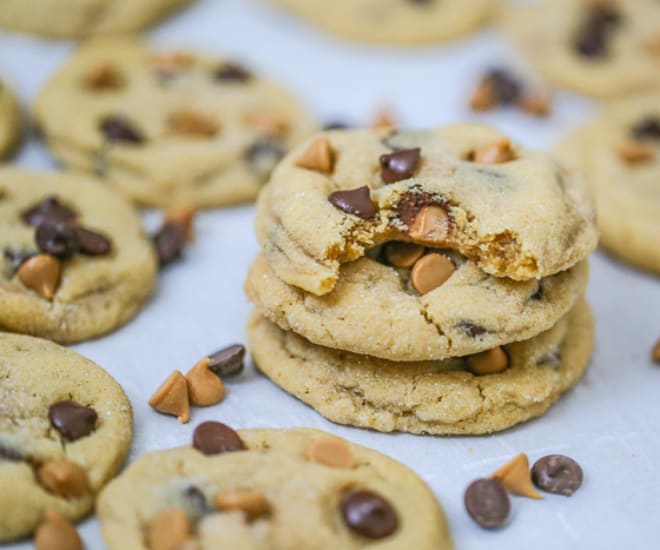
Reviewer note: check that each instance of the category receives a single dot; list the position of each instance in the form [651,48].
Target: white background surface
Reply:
[608,423]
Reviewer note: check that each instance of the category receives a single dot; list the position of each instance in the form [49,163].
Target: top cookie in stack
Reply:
[416,247]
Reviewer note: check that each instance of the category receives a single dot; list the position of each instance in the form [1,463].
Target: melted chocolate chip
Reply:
[647,128]
[412,202]
[263,155]
[557,474]
[505,87]
[48,210]
[487,502]
[169,242]
[399,165]
[57,239]
[595,31]
[368,514]
[227,361]
[212,438]
[232,72]
[92,243]
[71,419]
[120,129]
[354,201]
[471,329]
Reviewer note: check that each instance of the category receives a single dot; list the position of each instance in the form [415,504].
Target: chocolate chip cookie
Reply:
[75,261]
[262,489]
[9,120]
[65,429]
[168,127]
[478,394]
[619,152]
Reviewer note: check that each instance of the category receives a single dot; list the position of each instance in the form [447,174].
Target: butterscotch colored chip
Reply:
[172,397]
[430,272]
[319,157]
[182,215]
[252,503]
[516,477]
[204,387]
[535,103]
[495,153]
[431,225]
[56,533]
[41,273]
[63,478]
[403,255]
[483,98]
[488,362]
[634,152]
[168,530]
[102,77]
[655,352]
[331,452]
[193,123]
[383,120]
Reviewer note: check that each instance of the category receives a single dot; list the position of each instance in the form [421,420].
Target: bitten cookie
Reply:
[168,128]
[602,49]
[76,18]
[515,213]
[619,152]
[394,21]
[65,429]
[75,261]
[477,394]
[261,489]
[9,120]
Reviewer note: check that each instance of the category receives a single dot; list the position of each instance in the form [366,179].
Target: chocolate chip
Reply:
[232,72]
[57,239]
[10,454]
[399,165]
[538,295]
[212,438]
[120,129]
[227,361]
[354,201]
[92,243]
[471,329]
[336,125]
[48,210]
[594,33]
[71,419]
[368,514]
[197,500]
[169,242]
[263,155]
[557,474]
[15,257]
[487,502]
[412,202]
[647,128]
[505,87]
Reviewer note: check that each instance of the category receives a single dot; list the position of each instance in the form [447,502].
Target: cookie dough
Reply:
[84,294]
[9,120]
[168,128]
[372,309]
[65,429]
[289,497]
[394,21]
[619,152]
[433,397]
[602,49]
[77,18]
[522,218]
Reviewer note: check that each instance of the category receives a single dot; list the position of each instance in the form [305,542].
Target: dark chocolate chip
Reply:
[169,242]
[647,128]
[487,502]
[71,419]
[15,257]
[48,210]
[93,243]
[557,474]
[212,438]
[595,31]
[10,454]
[471,329]
[399,165]
[355,201]
[227,361]
[412,202]
[368,514]
[120,129]
[232,72]
[505,87]
[263,155]
[197,499]
[57,239]
[336,125]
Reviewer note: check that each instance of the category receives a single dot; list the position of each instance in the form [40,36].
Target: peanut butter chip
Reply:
[431,225]
[655,352]
[634,152]
[319,157]
[269,124]
[332,452]
[483,97]
[102,77]
[252,503]
[488,362]
[193,123]
[172,397]
[183,216]
[536,104]
[63,478]
[494,153]
[403,255]
[41,273]
[168,530]
[383,120]
[517,478]
[204,387]
[56,533]
[430,272]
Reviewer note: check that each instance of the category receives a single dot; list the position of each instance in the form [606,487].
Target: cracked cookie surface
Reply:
[9,120]
[302,496]
[95,293]
[432,397]
[36,374]
[168,127]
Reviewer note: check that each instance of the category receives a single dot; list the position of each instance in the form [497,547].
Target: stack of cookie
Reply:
[429,282]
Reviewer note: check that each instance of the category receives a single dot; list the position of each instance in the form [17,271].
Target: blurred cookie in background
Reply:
[9,120]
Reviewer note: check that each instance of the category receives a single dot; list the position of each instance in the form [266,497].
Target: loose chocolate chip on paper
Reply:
[71,419]
[227,361]
[368,514]
[399,165]
[169,242]
[647,128]
[92,243]
[57,239]
[48,210]
[120,129]
[354,201]
[557,474]
[232,72]
[212,438]
[487,502]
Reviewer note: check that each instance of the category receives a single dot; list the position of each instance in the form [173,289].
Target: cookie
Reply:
[394,21]
[602,49]
[168,128]
[375,310]
[78,18]
[286,489]
[515,213]
[75,261]
[9,120]
[65,429]
[619,152]
[432,397]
